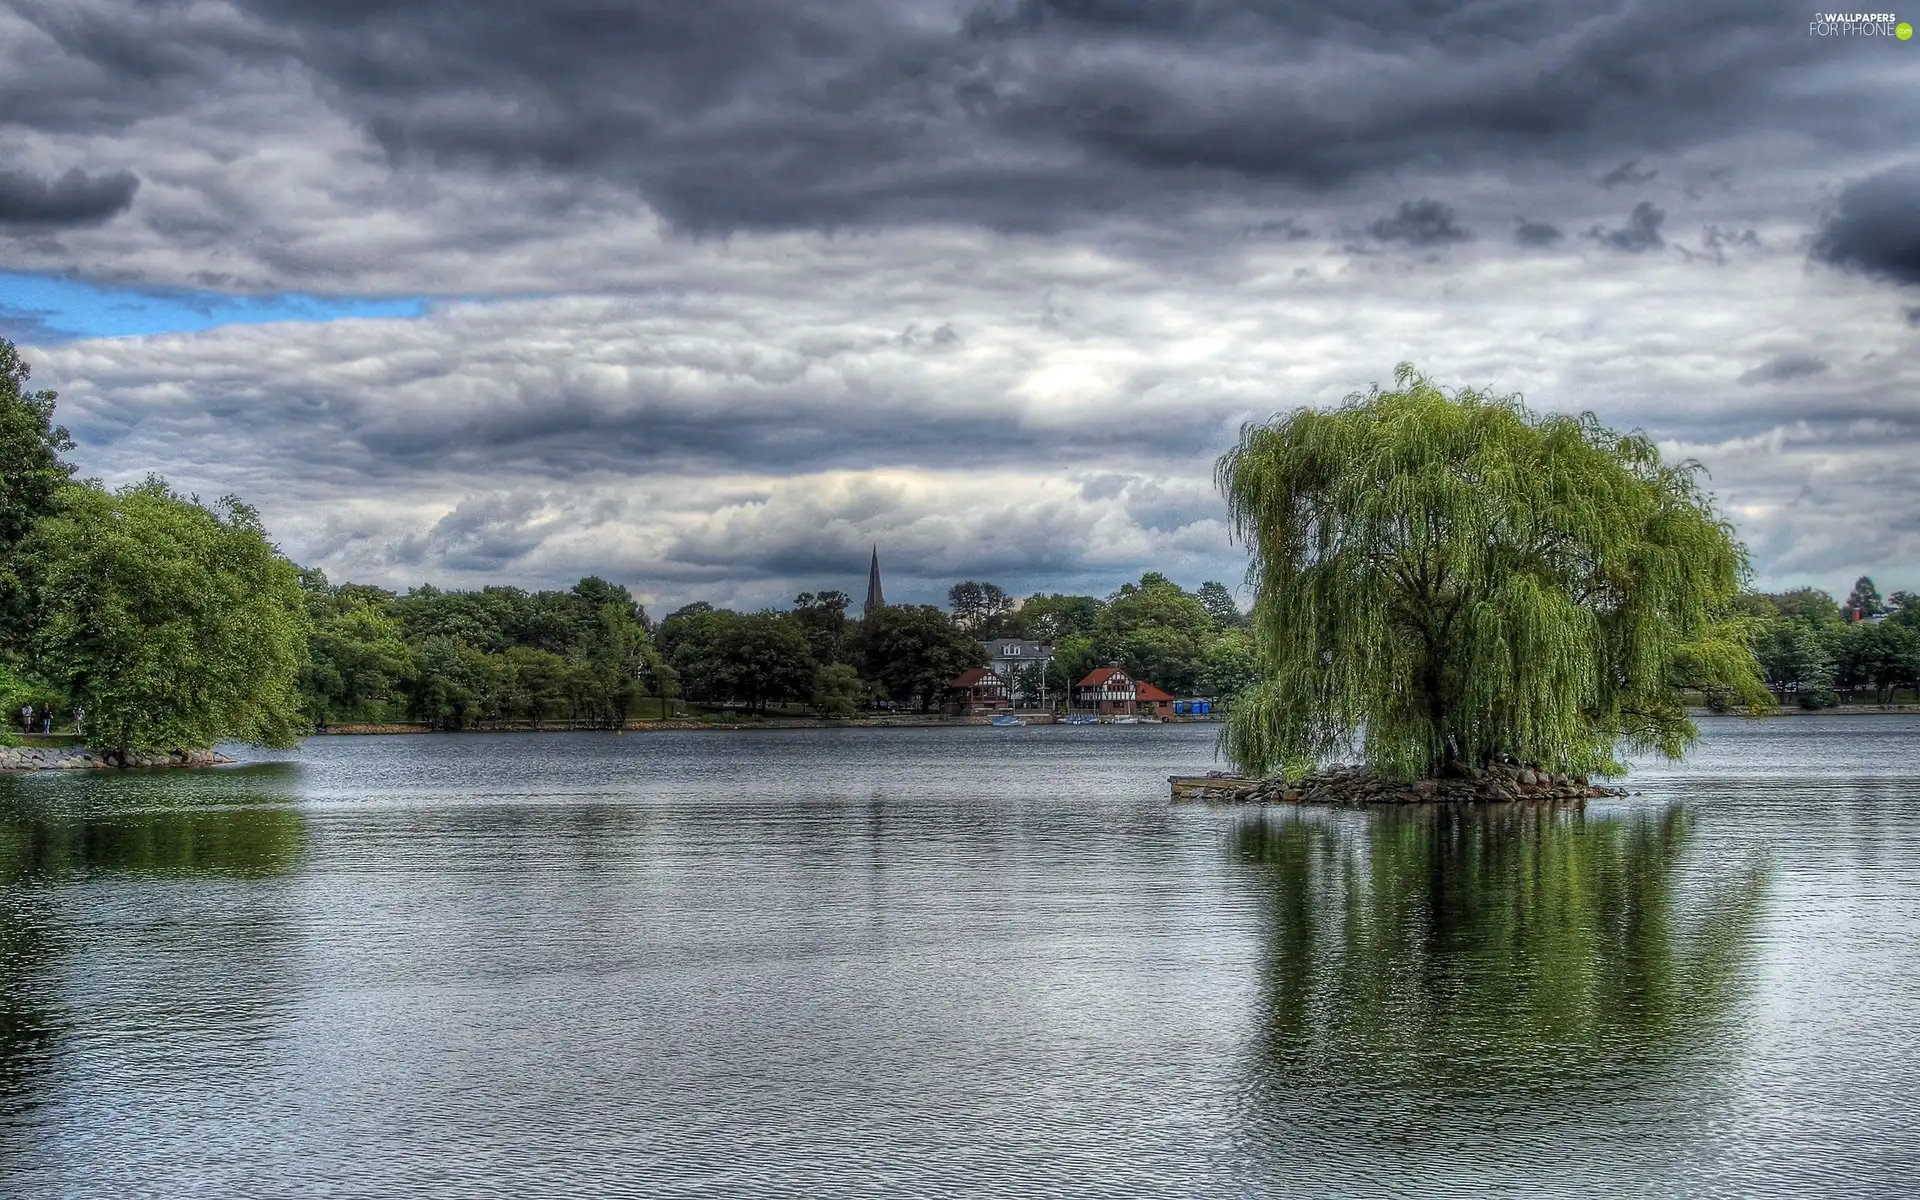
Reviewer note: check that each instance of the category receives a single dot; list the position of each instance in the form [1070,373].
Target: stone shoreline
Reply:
[1352,786]
[79,758]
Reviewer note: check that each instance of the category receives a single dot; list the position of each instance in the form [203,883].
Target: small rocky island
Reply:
[1499,783]
[79,758]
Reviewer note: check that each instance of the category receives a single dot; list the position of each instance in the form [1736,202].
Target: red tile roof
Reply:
[1099,676]
[973,677]
[1143,690]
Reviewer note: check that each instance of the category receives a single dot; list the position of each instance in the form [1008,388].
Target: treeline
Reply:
[591,656]
[456,659]
[1814,651]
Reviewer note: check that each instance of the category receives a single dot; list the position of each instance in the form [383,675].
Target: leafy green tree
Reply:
[596,629]
[356,658]
[617,652]
[1864,601]
[1806,604]
[722,656]
[31,475]
[1882,656]
[471,618]
[1904,609]
[838,691]
[451,682]
[1074,658]
[982,609]
[1039,680]
[31,470]
[1215,597]
[1164,657]
[175,626]
[597,594]
[1462,581]
[1156,630]
[536,685]
[1229,666]
[822,616]
[766,660]
[1053,616]
[913,652]
[690,640]
[1795,661]
[17,691]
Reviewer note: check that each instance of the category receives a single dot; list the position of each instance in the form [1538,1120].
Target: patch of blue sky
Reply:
[47,308]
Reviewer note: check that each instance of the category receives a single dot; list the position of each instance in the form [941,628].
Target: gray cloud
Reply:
[1785,368]
[1715,242]
[1422,222]
[1017,113]
[1640,234]
[1628,172]
[1876,227]
[1536,233]
[74,198]
[738,445]
[749,285]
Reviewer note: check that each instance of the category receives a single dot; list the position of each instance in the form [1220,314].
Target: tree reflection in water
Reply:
[55,833]
[1432,972]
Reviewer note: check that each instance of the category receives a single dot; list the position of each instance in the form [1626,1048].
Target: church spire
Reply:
[875,600]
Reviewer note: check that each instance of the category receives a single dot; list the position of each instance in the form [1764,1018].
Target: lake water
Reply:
[954,962]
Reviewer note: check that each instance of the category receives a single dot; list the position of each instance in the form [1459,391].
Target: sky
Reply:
[711,298]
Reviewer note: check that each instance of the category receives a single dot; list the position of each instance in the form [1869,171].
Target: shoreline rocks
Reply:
[1351,786]
[81,758]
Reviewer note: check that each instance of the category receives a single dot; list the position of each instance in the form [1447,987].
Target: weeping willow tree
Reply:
[1446,579]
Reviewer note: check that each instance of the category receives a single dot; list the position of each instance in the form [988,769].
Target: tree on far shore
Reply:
[1447,579]
[1864,601]
[913,652]
[982,609]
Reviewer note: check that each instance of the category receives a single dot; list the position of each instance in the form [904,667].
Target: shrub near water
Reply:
[1447,580]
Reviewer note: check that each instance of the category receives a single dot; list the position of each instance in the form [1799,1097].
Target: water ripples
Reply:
[945,962]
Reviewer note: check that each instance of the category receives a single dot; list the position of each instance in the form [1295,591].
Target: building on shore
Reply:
[978,690]
[1150,701]
[1009,657]
[1106,690]
[1110,691]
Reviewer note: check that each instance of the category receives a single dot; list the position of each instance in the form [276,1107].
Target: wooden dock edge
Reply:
[1211,789]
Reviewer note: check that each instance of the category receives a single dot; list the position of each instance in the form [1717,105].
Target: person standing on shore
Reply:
[26,718]
[46,720]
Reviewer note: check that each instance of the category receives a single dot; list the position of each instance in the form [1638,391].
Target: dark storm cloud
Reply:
[1628,172]
[1536,233]
[483,533]
[753,113]
[1876,227]
[1912,313]
[1641,232]
[1785,368]
[74,198]
[1422,222]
